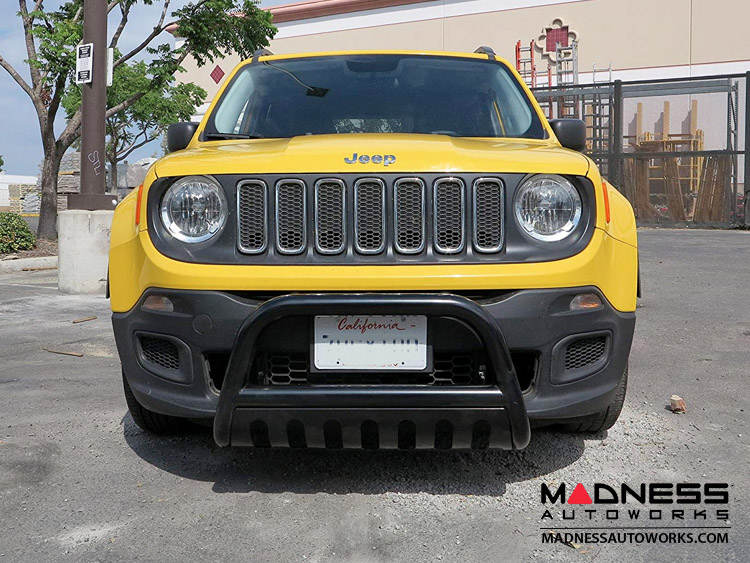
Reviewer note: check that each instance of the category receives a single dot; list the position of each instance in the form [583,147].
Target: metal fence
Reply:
[674,147]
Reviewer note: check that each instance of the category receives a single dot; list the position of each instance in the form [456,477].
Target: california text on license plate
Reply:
[367,342]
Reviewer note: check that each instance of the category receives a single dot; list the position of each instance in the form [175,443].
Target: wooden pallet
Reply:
[711,202]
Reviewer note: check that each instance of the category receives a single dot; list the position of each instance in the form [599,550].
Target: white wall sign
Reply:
[84,63]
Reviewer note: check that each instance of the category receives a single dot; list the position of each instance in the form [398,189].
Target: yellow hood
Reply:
[400,153]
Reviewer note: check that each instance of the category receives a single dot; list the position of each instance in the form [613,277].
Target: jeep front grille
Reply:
[449,202]
[488,205]
[330,216]
[366,218]
[291,216]
[369,216]
[409,215]
[252,210]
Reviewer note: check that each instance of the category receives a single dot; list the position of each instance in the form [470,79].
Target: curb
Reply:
[8,266]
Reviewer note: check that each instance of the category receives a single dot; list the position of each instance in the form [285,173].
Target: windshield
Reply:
[374,94]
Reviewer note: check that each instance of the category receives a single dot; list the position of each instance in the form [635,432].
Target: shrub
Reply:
[15,234]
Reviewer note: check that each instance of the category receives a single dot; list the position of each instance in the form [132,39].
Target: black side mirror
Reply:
[179,135]
[570,132]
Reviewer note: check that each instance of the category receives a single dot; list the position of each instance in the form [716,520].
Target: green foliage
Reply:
[2,163]
[57,32]
[210,28]
[214,27]
[15,234]
[148,117]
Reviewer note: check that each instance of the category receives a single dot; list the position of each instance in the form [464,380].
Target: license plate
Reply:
[365,342]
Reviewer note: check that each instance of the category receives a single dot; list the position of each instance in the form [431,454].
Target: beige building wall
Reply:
[634,35]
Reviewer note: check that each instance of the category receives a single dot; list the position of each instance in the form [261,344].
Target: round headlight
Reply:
[194,209]
[548,207]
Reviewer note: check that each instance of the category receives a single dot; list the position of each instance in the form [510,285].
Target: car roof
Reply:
[265,55]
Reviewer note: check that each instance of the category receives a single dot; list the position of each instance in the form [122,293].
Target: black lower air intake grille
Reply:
[449,369]
[585,352]
[160,352]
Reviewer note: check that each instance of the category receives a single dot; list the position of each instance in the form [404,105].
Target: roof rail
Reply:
[260,53]
[484,50]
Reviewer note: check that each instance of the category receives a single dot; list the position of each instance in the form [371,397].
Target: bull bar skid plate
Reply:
[500,406]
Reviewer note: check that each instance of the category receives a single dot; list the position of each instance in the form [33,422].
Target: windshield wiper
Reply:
[226,136]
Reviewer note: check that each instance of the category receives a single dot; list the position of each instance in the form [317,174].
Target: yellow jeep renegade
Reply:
[374,249]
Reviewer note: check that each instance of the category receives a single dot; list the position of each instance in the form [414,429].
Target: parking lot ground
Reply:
[80,482]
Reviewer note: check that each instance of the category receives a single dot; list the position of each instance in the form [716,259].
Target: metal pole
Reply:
[615,167]
[93,108]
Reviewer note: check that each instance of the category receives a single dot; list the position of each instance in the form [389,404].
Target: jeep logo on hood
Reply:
[384,159]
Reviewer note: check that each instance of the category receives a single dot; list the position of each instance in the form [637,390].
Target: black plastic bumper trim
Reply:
[507,395]
[478,428]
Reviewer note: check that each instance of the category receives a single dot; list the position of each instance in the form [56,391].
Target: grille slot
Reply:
[160,352]
[449,215]
[330,216]
[585,352]
[408,211]
[449,369]
[252,211]
[369,216]
[487,210]
[291,216]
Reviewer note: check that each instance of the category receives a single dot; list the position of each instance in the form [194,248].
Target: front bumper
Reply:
[537,323]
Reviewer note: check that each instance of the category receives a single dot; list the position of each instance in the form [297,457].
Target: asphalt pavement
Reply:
[80,482]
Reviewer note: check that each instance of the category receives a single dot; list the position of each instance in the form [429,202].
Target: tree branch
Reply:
[123,21]
[135,97]
[125,104]
[158,28]
[28,21]
[54,104]
[35,98]
[133,148]
[17,77]
[71,131]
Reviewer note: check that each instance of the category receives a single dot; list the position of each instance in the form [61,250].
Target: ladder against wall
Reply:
[566,74]
[526,67]
[525,64]
[596,115]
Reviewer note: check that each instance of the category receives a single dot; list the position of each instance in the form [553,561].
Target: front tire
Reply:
[151,421]
[604,420]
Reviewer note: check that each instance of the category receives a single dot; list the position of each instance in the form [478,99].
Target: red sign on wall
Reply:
[556,35]
[217,74]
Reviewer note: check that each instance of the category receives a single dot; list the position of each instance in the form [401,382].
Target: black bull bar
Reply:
[405,416]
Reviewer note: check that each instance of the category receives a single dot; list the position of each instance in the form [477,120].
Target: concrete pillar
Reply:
[83,250]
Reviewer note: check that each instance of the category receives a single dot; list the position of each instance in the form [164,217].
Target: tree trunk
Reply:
[48,208]
[113,176]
